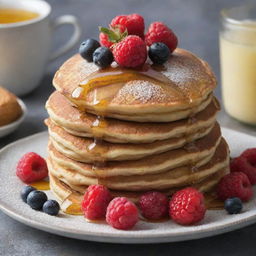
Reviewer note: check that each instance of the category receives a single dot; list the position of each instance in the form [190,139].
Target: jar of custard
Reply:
[238,62]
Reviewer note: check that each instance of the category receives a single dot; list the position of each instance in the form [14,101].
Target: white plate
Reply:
[215,222]
[9,128]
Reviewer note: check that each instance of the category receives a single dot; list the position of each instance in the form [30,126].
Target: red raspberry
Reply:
[134,23]
[242,164]
[187,206]
[131,52]
[122,213]
[235,184]
[95,202]
[31,167]
[104,38]
[246,163]
[154,205]
[159,32]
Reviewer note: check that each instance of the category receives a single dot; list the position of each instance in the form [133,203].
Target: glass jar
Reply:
[238,62]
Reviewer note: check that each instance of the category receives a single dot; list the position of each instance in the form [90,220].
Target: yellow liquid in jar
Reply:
[238,71]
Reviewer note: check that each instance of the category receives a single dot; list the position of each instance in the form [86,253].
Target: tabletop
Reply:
[196,23]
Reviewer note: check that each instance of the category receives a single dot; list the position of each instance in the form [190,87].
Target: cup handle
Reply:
[64,20]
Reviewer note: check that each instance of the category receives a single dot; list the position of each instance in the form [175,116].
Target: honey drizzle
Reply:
[41,185]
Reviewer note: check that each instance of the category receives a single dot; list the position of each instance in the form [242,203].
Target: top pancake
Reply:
[171,93]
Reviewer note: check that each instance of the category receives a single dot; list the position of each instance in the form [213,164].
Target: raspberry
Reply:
[235,184]
[245,165]
[154,205]
[187,206]
[104,40]
[122,213]
[95,202]
[134,23]
[31,167]
[159,32]
[131,52]
[116,31]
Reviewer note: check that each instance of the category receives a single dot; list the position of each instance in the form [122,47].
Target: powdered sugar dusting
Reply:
[184,68]
[141,91]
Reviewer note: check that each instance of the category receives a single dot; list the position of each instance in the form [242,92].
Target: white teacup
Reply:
[25,47]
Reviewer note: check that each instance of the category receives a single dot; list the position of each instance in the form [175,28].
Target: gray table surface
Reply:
[196,23]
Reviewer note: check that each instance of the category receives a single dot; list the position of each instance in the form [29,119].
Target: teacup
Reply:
[25,46]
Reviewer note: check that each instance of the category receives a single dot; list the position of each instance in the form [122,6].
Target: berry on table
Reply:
[122,213]
[159,32]
[31,167]
[36,199]
[246,163]
[25,191]
[134,23]
[87,48]
[235,184]
[159,53]
[154,205]
[95,202]
[233,205]
[131,52]
[103,57]
[51,207]
[187,206]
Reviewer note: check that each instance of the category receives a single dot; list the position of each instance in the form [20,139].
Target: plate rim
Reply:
[125,236]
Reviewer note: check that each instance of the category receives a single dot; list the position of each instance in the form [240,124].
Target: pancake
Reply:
[196,154]
[90,150]
[64,192]
[80,124]
[182,88]
[172,178]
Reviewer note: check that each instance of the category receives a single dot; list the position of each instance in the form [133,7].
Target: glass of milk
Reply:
[238,62]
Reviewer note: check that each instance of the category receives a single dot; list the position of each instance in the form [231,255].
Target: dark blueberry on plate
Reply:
[233,205]
[51,207]
[87,48]
[36,199]
[159,53]
[25,191]
[103,57]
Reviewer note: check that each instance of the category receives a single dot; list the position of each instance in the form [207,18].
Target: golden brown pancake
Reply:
[195,154]
[90,150]
[64,191]
[171,178]
[181,88]
[82,124]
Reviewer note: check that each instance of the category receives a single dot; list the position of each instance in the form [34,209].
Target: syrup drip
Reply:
[41,185]
[71,206]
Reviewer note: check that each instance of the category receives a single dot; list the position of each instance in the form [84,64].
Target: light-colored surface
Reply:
[26,56]
[215,222]
[7,129]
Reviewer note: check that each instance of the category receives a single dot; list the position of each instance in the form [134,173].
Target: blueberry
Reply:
[25,191]
[87,48]
[36,199]
[103,57]
[51,207]
[233,205]
[159,53]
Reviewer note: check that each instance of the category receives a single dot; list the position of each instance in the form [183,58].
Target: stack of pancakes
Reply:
[135,130]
